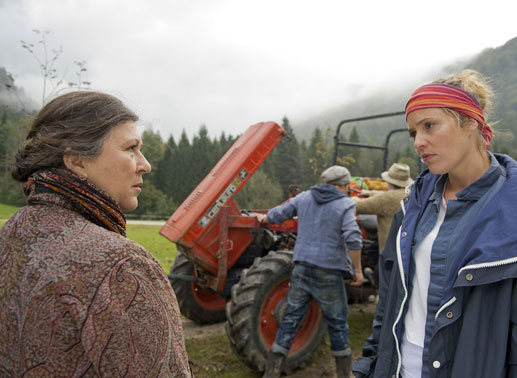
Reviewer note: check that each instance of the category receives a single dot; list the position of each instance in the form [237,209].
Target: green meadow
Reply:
[6,211]
[160,247]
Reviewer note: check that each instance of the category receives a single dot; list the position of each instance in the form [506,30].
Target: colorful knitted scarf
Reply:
[92,202]
[448,96]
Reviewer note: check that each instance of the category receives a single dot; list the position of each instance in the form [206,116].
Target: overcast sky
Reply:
[229,64]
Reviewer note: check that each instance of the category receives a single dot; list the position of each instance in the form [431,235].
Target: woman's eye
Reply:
[429,125]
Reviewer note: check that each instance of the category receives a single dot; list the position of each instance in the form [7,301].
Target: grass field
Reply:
[160,247]
[6,211]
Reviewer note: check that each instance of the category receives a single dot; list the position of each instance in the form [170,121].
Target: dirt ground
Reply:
[325,368]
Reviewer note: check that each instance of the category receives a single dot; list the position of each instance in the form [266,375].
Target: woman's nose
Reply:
[143,165]
[419,141]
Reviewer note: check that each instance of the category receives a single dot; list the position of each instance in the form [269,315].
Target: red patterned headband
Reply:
[448,96]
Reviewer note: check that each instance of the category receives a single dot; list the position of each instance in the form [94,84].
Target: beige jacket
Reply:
[384,204]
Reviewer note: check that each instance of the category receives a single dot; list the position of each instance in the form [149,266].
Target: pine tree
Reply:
[260,192]
[320,153]
[286,158]
[165,177]
[353,155]
[204,155]
[224,144]
[153,150]
[184,182]
[354,136]
[307,175]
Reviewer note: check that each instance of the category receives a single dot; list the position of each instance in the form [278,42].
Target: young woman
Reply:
[448,296]
[76,297]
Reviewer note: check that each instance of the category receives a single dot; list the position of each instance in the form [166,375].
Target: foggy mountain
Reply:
[11,96]
[499,64]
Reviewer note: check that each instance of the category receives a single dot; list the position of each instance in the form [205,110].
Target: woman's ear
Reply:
[75,163]
[471,124]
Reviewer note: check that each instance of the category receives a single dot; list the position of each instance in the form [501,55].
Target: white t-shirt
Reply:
[412,346]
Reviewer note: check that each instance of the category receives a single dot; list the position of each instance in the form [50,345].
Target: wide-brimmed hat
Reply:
[336,175]
[398,175]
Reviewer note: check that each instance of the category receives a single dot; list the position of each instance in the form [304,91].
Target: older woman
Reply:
[77,298]
[448,295]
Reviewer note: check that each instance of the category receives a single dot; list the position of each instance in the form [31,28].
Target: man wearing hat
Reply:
[328,249]
[385,203]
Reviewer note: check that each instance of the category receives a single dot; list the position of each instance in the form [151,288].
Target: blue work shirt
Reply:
[327,227]
[459,217]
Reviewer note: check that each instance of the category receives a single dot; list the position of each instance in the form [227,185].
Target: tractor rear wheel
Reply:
[202,305]
[256,309]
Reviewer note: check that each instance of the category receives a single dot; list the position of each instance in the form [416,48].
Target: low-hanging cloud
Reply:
[229,64]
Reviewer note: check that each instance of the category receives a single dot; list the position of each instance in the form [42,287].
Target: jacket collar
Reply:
[477,189]
[488,241]
[492,236]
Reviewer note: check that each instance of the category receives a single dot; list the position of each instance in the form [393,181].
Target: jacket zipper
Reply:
[446,304]
[393,330]
[489,265]
[476,266]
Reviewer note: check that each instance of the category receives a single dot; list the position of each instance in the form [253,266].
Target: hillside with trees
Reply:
[180,164]
[499,64]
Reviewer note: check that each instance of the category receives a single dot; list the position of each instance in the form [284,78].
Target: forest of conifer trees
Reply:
[180,165]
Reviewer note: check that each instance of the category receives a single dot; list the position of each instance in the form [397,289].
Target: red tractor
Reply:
[231,268]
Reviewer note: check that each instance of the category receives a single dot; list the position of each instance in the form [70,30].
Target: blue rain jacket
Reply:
[475,329]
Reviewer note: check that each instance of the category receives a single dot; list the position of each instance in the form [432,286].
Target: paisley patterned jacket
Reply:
[77,300]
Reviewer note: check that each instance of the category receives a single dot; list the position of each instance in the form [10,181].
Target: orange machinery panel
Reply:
[195,225]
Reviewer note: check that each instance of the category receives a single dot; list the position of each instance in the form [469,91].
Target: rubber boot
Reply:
[344,364]
[274,365]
